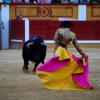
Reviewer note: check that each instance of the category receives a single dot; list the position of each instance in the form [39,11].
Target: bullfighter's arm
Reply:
[75,43]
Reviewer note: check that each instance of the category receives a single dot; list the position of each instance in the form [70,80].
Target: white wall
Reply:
[0,29]
[5,24]
[26,29]
[82,12]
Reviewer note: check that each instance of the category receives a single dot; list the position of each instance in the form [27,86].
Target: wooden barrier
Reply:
[54,11]
[16,33]
[84,30]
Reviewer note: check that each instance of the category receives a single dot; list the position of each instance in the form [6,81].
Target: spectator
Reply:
[55,1]
[94,1]
[20,17]
[44,1]
[64,1]
[85,1]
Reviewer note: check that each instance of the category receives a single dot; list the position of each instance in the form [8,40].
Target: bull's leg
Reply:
[25,67]
[43,62]
[36,64]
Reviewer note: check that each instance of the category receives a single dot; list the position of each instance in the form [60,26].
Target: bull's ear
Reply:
[28,45]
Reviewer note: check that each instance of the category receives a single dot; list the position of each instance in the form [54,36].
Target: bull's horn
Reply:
[42,43]
[28,45]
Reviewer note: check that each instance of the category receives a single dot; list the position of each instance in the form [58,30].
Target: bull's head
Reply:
[36,48]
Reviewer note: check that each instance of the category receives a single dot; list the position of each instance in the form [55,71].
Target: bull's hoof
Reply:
[24,70]
[34,73]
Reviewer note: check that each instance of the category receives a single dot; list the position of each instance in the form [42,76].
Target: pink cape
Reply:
[79,73]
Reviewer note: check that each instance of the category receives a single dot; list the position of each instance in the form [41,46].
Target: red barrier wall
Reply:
[85,30]
[45,29]
[17,29]
[16,32]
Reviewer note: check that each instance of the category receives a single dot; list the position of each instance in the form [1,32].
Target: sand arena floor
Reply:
[17,85]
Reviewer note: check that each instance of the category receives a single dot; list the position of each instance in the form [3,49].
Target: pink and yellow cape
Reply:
[64,71]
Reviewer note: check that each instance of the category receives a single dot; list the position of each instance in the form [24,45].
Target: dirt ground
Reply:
[17,85]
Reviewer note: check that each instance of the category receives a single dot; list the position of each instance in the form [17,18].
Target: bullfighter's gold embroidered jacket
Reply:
[63,37]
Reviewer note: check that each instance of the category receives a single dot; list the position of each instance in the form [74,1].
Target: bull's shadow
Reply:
[34,50]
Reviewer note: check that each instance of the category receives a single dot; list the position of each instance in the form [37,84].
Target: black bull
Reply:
[34,50]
